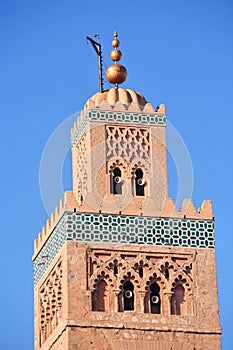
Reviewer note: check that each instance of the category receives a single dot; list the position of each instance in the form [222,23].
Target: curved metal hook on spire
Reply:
[97,48]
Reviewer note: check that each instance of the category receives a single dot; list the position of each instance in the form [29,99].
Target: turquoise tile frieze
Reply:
[118,117]
[140,230]
[125,230]
[50,249]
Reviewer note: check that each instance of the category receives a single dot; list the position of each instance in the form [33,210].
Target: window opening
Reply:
[139,183]
[155,301]
[116,181]
[128,296]
[99,297]
[177,299]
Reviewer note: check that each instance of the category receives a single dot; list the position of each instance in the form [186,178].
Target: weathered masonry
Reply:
[117,266]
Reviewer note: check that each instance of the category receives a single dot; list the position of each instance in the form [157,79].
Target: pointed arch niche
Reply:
[181,302]
[99,296]
[126,298]
[152,300]
[140,178]
[139,183]
[177,299]
[117,171]
[116,181]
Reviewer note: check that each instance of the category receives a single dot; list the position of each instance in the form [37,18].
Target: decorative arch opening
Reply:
[139,183]
[152,300]
[113,265]
[177,300]
[128,296]
[155,301]
[99,296]
[165,267]
[116,181]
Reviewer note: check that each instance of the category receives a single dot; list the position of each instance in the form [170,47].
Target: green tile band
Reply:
[125,230]
[118,117]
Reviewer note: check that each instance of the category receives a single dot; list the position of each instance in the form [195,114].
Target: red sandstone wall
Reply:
[112,330]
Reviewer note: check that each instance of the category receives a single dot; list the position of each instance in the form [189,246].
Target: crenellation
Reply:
[187,210]
[53,217]
[206,209]
[48,223]
[162,109]
[68,203]
[43,233]
[40,237]
[137,206]
[77,123]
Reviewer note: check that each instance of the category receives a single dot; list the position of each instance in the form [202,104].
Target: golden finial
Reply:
[116,74]
[115,42]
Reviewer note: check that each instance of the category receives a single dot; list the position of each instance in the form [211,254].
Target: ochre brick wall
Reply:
[82,328]
[125,339]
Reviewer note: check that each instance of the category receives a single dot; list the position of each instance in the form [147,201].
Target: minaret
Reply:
[117,266]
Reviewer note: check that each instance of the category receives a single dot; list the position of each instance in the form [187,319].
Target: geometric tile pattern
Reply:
[85,227]
[50,250]
[119,117]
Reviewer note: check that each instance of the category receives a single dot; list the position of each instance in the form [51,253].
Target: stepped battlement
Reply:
[137,206]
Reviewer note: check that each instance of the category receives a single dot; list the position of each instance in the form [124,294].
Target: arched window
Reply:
[155,301]
[99,297]
[177,299]
[128,296]
[139,183]
[116,181]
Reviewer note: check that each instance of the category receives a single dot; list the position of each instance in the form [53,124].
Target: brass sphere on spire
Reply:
[115,43]
[116,74]
[115,55]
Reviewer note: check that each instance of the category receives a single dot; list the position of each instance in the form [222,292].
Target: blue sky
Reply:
[176,52]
